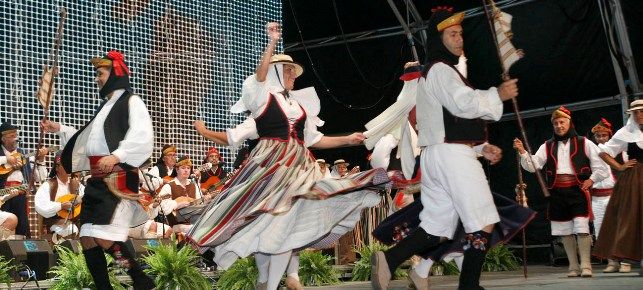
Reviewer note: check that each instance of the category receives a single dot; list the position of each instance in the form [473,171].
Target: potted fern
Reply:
[175,268]
[242,275]
[72,272]
[362,268]
[499,258]
[315,269]
[6,267]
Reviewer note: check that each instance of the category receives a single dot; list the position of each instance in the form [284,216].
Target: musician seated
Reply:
[8,221]
[183,192]
[55,199]
[151,229]
[15,168]
[164,166]
[213,178]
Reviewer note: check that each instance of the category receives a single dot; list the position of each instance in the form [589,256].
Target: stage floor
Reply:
[540,277]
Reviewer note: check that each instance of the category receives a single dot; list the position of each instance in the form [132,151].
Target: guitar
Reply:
[5,191]
[147,199]
[6,168]
[64,213]
[214,183]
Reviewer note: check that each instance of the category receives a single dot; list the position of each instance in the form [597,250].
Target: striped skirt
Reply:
[279,202]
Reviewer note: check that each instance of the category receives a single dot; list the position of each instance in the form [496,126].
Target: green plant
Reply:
[5,268]
[315,269]
[499,258]
[450,268]
[242,275]
[174,268]
[362,268]
[72,272]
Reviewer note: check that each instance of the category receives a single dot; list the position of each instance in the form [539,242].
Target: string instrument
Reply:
[6,168]
[20,188]
[215,183]
[63,213]
[147,199]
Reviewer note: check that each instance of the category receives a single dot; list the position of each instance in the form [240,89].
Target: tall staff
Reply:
[44,95]
[507,55]
[521,198]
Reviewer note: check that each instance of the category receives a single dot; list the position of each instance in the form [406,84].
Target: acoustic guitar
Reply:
[215,183]
[7,168]
[20,188]
[63,213]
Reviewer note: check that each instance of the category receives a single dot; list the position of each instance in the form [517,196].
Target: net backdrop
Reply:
[188,60]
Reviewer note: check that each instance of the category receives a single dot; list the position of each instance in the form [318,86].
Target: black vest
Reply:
[634,152]
[273,123]
[460,130]
[115,127]
[578,157]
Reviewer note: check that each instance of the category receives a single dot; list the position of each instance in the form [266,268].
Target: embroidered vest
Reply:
[274,124]
[578,157]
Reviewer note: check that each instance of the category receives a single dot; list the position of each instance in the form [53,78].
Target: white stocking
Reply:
[293,266]
[423,268]
[278,264]
[262,261]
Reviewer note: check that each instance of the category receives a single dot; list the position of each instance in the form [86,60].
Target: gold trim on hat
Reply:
[101,62]
[559,114]
[184,162]
[7,132]
[601,128]
[169,149]
[455,19]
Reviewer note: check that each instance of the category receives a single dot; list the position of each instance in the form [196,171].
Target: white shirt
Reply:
[47,208]
[600,170]
[444,87]
[168,205]
[290,107]
[134,149]
[16,175]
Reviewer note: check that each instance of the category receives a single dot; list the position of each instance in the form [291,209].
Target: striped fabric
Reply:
[508,53]
[277,175]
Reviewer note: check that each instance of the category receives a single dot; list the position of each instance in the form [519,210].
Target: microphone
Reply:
[192,176]
[27,273]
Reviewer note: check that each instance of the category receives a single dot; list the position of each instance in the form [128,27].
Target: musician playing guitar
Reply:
[55,199]
[164,166]
[183,191]
[213,178]
[11,157]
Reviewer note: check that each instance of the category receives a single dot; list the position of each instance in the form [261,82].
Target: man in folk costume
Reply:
[451,133]
[179,192]
[164,167]
[216,173]
[60,183]
[601,192]
[571,165]
[621,231]
[16,203]
[112,145]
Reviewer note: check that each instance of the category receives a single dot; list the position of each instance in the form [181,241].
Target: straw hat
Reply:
[287,59]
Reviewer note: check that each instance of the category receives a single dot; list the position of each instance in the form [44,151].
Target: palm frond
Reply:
[315,269]
[175,268]
[242,275]
[72,272]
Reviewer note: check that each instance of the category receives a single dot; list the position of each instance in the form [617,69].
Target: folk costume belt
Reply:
[122,181]
[565,180]
[601,191]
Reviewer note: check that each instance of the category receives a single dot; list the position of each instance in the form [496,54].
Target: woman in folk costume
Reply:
[621,229]
[279,203]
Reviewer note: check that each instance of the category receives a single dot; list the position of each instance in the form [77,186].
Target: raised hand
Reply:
[273,29]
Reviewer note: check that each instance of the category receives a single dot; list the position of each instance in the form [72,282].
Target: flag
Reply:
[508,53]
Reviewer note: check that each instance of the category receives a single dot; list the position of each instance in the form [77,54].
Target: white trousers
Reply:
[454,187]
